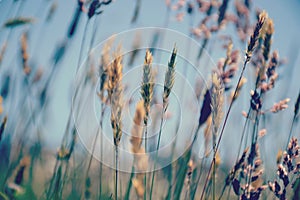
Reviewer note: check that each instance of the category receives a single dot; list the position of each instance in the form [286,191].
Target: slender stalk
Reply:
[93,150]
[156,153]
[214,178]
[182,93]
[129,185]
[291,131]
[116,171]
[101,151]
[168,85]
[223,128]
[198,179]
[239,151]
[82,45]
[254,141]
[146,146]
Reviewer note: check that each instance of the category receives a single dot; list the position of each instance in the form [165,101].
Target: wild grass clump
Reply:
[224,155]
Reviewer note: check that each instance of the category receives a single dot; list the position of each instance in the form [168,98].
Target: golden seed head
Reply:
[217,101]
[147,84]
[255,35]
[115,93]
[269,26]
[169,78]
[279,156]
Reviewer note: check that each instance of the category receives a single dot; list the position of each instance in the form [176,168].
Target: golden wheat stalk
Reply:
[147,95]
[251,46]
[105,59]
[217,101]
[115,92]
[147,84]
[168,85]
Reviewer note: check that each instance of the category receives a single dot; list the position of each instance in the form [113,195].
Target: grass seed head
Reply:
[268,38]
[217,101]
[147,84]
[169,78]
[115,92]
[255,35]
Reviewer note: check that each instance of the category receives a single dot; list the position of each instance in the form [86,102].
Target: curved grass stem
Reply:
[223,128]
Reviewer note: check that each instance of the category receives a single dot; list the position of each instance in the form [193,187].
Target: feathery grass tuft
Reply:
[255,35]
[169,78]
[115,92]
[147,84]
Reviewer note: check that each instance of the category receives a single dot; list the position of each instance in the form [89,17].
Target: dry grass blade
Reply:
[115,93]
[11,23]
[75,21]
[240,86]
[250,48]
[222,11]
[51,11]
[24,53]
[168,85]
[2,51]
[217,101]
[140,158]
[136,11]
[1,106]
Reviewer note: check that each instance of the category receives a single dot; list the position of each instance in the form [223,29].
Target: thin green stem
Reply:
[239,151]
[156,153]
[214,178]
[291,132]
[127,194]
[116,171]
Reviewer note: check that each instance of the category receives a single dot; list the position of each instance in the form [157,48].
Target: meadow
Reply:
[175,99]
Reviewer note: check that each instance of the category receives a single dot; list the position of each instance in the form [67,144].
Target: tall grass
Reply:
[129,154]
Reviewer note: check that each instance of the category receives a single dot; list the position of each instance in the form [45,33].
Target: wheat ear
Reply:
[168,85]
